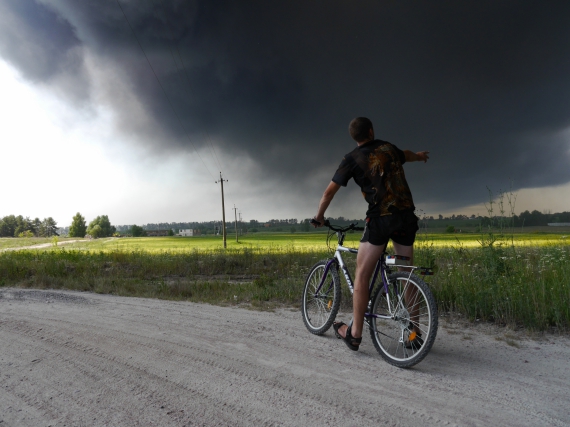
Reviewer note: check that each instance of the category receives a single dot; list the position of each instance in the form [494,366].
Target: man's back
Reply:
[376,167]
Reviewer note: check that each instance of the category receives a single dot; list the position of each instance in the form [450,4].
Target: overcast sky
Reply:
[264,91]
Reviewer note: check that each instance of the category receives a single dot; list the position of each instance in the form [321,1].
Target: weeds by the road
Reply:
[507,285]
[255,276]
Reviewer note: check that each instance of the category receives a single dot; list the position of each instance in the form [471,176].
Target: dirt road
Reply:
[79,359]
[42,245]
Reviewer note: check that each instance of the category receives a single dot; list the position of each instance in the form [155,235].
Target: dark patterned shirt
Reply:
[377,168]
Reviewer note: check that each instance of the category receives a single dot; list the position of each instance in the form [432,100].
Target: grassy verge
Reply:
[525,286]
[510,285]
[258,277]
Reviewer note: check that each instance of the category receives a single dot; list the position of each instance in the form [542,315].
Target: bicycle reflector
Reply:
[425,271]
[397,260]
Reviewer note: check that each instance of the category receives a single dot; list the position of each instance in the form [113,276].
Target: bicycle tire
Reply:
[391,337]
[319,311]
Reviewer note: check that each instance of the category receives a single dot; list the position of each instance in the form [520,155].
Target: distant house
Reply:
[156,233]
[559,224]
[188,232]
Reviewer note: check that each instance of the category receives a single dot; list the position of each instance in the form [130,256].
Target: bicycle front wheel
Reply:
[404,321]
[321,298]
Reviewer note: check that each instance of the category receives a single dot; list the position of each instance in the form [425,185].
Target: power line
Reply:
[164,91]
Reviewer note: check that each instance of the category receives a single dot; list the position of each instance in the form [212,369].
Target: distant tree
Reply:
[450,229]
[101,227]
[95,231]
[293,229]
[78,227]
[170,232]
[36,227]
[23,224]
[8,226]
[47,228]
[137,231]
[13,226]
[305,226]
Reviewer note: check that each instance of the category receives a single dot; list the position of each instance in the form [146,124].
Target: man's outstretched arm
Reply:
[420,156]
[328,195]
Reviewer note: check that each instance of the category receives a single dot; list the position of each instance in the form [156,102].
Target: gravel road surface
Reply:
[80,359]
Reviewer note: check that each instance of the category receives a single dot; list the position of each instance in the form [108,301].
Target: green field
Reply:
[517,280]
[275,241]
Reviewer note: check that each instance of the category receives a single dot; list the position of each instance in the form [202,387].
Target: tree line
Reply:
[535,217]
[19,226]
[525,219]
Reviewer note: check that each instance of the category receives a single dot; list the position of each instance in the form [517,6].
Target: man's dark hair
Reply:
[359,129]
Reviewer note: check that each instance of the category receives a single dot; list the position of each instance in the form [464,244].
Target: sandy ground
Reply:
[80,359]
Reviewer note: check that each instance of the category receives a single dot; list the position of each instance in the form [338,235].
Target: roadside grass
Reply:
[526,286]
[498,281]
[256,277]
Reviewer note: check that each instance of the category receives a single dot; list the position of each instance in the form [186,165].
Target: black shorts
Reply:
[401,227]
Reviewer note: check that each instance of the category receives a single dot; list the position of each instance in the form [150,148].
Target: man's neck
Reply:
[364,142]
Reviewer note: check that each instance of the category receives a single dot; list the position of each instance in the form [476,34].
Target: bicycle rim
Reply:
[405,336]
[320,309]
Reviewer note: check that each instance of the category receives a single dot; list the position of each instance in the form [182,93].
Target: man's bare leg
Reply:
[368,256]
[410,294]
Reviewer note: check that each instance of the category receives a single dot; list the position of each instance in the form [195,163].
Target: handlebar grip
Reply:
[315,222]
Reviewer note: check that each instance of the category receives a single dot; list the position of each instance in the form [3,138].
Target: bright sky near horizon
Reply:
[91,131]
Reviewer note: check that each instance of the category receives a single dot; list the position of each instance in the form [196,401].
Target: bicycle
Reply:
[402,313]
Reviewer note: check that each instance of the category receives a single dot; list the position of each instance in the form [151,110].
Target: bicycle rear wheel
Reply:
[404,323]
[319,309]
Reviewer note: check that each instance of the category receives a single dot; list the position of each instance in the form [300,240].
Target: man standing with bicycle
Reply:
[376,166]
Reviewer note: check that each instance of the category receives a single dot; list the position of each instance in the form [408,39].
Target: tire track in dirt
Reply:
[242,371]
[84,356]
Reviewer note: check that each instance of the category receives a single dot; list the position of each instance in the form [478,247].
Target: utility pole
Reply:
[235,215]
[223,209]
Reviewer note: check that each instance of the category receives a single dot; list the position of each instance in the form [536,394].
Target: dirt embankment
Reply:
[71,358]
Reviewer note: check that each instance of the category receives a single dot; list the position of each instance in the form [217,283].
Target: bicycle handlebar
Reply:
[336,228]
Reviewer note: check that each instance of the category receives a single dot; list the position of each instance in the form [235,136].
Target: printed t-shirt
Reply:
[376,167]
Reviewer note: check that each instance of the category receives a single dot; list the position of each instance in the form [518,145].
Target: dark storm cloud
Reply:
[43,47]
[484,86]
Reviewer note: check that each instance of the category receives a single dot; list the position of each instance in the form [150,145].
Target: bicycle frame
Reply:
[401,311]
[338,262]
